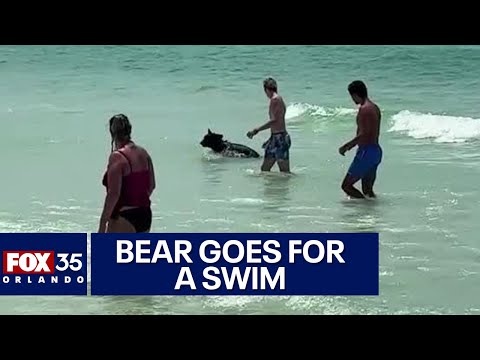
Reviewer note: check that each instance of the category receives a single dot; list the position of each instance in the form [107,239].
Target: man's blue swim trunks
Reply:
[366,161]
[278,146]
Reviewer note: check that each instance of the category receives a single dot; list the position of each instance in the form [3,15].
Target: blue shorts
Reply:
[278,146]
[366,161]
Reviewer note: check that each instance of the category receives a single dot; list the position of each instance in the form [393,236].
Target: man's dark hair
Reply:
[270,84]
[359,88]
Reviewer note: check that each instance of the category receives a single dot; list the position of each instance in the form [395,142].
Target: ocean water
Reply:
[55,102]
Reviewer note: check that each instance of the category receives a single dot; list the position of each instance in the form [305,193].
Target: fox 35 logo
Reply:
[22,266]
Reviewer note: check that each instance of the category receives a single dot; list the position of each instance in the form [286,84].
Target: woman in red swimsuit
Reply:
[129,180]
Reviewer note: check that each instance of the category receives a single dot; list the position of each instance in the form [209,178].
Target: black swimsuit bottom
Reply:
[140,218]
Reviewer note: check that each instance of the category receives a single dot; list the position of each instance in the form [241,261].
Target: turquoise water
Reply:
[55,102]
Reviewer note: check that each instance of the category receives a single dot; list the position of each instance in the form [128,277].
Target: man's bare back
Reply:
[277,111]
[368,123]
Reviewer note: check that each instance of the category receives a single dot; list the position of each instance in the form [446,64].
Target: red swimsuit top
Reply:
[135,188]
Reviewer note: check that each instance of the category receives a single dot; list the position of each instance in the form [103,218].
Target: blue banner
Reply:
[235,264]
[43,264]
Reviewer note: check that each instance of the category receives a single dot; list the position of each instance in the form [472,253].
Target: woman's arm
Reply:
[152,176]
[114,178]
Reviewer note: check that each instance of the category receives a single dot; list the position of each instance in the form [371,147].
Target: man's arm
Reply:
[276,111]
[114,174]
[365,119]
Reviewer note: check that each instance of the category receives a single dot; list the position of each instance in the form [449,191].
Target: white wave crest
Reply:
[440,128]
[296,110]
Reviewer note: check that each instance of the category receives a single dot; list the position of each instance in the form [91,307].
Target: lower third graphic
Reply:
[43,264]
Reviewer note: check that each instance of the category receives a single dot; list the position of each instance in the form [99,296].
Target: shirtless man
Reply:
[277,148]
[369,153]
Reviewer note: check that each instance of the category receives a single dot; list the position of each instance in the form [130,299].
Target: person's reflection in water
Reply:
[361,216]
[276,195]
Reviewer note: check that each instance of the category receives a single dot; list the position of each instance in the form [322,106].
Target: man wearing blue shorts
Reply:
[369,153]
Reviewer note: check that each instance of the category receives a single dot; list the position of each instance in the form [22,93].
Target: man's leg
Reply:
[350,190]
[355,172]
[267,164]
[284,165]
[283,153]
[368,182]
